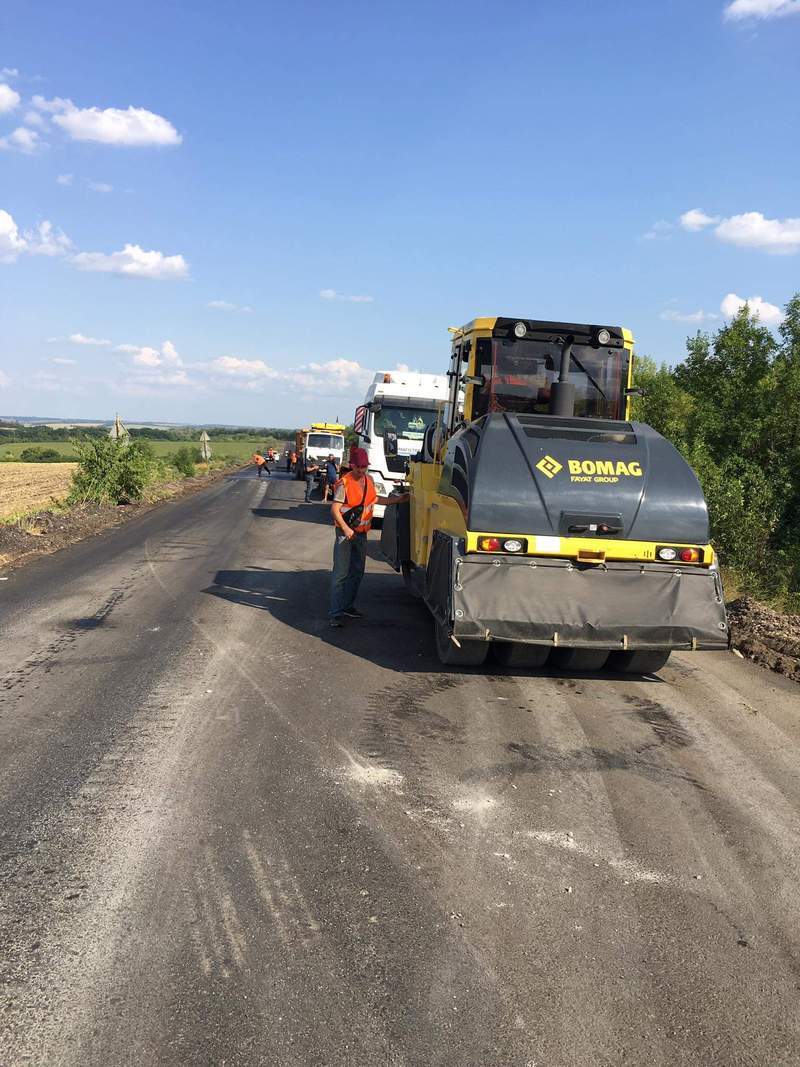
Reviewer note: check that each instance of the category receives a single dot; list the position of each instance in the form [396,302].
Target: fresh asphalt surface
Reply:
[231,835]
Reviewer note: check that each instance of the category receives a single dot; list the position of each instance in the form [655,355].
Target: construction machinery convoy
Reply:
[545,526]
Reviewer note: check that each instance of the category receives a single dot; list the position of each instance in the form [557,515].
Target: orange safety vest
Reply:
[258,459]
[353,496]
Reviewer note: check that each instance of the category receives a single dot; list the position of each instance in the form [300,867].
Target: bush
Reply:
[731,407]
[184,460]
[110,471]
[40,455]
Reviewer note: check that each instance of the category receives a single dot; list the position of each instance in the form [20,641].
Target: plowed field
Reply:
[24,486]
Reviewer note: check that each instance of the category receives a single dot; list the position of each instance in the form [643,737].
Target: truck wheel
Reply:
[471,653]
[511,654]
[637,662]
[579,659]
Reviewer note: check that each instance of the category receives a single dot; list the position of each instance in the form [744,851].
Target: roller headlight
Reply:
[520,329]
[603,337]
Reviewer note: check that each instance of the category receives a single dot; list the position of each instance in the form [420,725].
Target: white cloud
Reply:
[761,9]
[22,140]
[65,179]
[331,294]
[336,377]
[9,72]
[58,103]
[134,262]
[133,126]
[226,305]
[779,237]
[659,230]
[145,356]
[695,220]
[768,314]
[82,339]
[12,244]
[33,118]
[101,187]
[170,354]
[44,240]
[9,99]
[64,362]
[672,315]
[5,381]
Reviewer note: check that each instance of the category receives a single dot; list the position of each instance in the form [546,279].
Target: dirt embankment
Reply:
[765,636]
[47,531]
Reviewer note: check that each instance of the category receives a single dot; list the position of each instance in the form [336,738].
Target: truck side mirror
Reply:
[636,391]
[473,379]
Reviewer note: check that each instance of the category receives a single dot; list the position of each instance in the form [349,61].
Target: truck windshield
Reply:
[519,375]
[332,441]
[408,423]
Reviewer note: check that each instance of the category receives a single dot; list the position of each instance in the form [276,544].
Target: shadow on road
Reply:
[397,632]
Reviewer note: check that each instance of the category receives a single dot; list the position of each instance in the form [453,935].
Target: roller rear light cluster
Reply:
[677,554]
[514,545]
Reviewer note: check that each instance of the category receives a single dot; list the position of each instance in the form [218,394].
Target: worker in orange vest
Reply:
[354,498]
[260,462]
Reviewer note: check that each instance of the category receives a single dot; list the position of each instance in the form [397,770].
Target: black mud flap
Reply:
[439,577]
[557,603]
[396,534]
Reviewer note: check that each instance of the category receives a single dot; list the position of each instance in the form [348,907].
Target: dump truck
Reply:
[545,527]
[317,442]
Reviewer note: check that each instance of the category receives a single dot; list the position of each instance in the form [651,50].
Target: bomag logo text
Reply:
[549,466]
[602,470]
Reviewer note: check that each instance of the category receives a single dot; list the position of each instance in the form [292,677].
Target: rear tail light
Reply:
[674,553]
[512,545]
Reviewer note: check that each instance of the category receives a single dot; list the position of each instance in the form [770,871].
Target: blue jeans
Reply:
[310,479]
[349,560]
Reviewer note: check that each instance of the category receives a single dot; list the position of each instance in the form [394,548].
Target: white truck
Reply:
[391,423]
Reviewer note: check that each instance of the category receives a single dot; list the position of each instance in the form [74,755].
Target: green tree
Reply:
[110,471]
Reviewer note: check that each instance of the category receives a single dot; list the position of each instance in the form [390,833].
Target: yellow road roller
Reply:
[544,526]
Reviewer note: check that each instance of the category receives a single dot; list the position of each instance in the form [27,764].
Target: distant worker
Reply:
[353,500]
[331,477]
[260,463]
[311,472]
[291,459]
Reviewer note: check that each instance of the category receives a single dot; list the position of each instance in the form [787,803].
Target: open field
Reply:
[238,448]
[24,486]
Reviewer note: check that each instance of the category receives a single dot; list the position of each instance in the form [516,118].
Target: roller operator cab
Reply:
[545,526]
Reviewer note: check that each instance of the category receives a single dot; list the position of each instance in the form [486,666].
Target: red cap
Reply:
[359,457]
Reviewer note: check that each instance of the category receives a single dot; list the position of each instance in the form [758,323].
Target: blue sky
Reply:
[255,205]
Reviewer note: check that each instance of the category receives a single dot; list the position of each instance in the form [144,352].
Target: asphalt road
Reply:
[231,835]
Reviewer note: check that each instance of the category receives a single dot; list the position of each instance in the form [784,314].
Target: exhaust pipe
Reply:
[562,393]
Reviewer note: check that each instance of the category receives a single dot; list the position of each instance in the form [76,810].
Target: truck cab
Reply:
[391,423]
[318,441]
